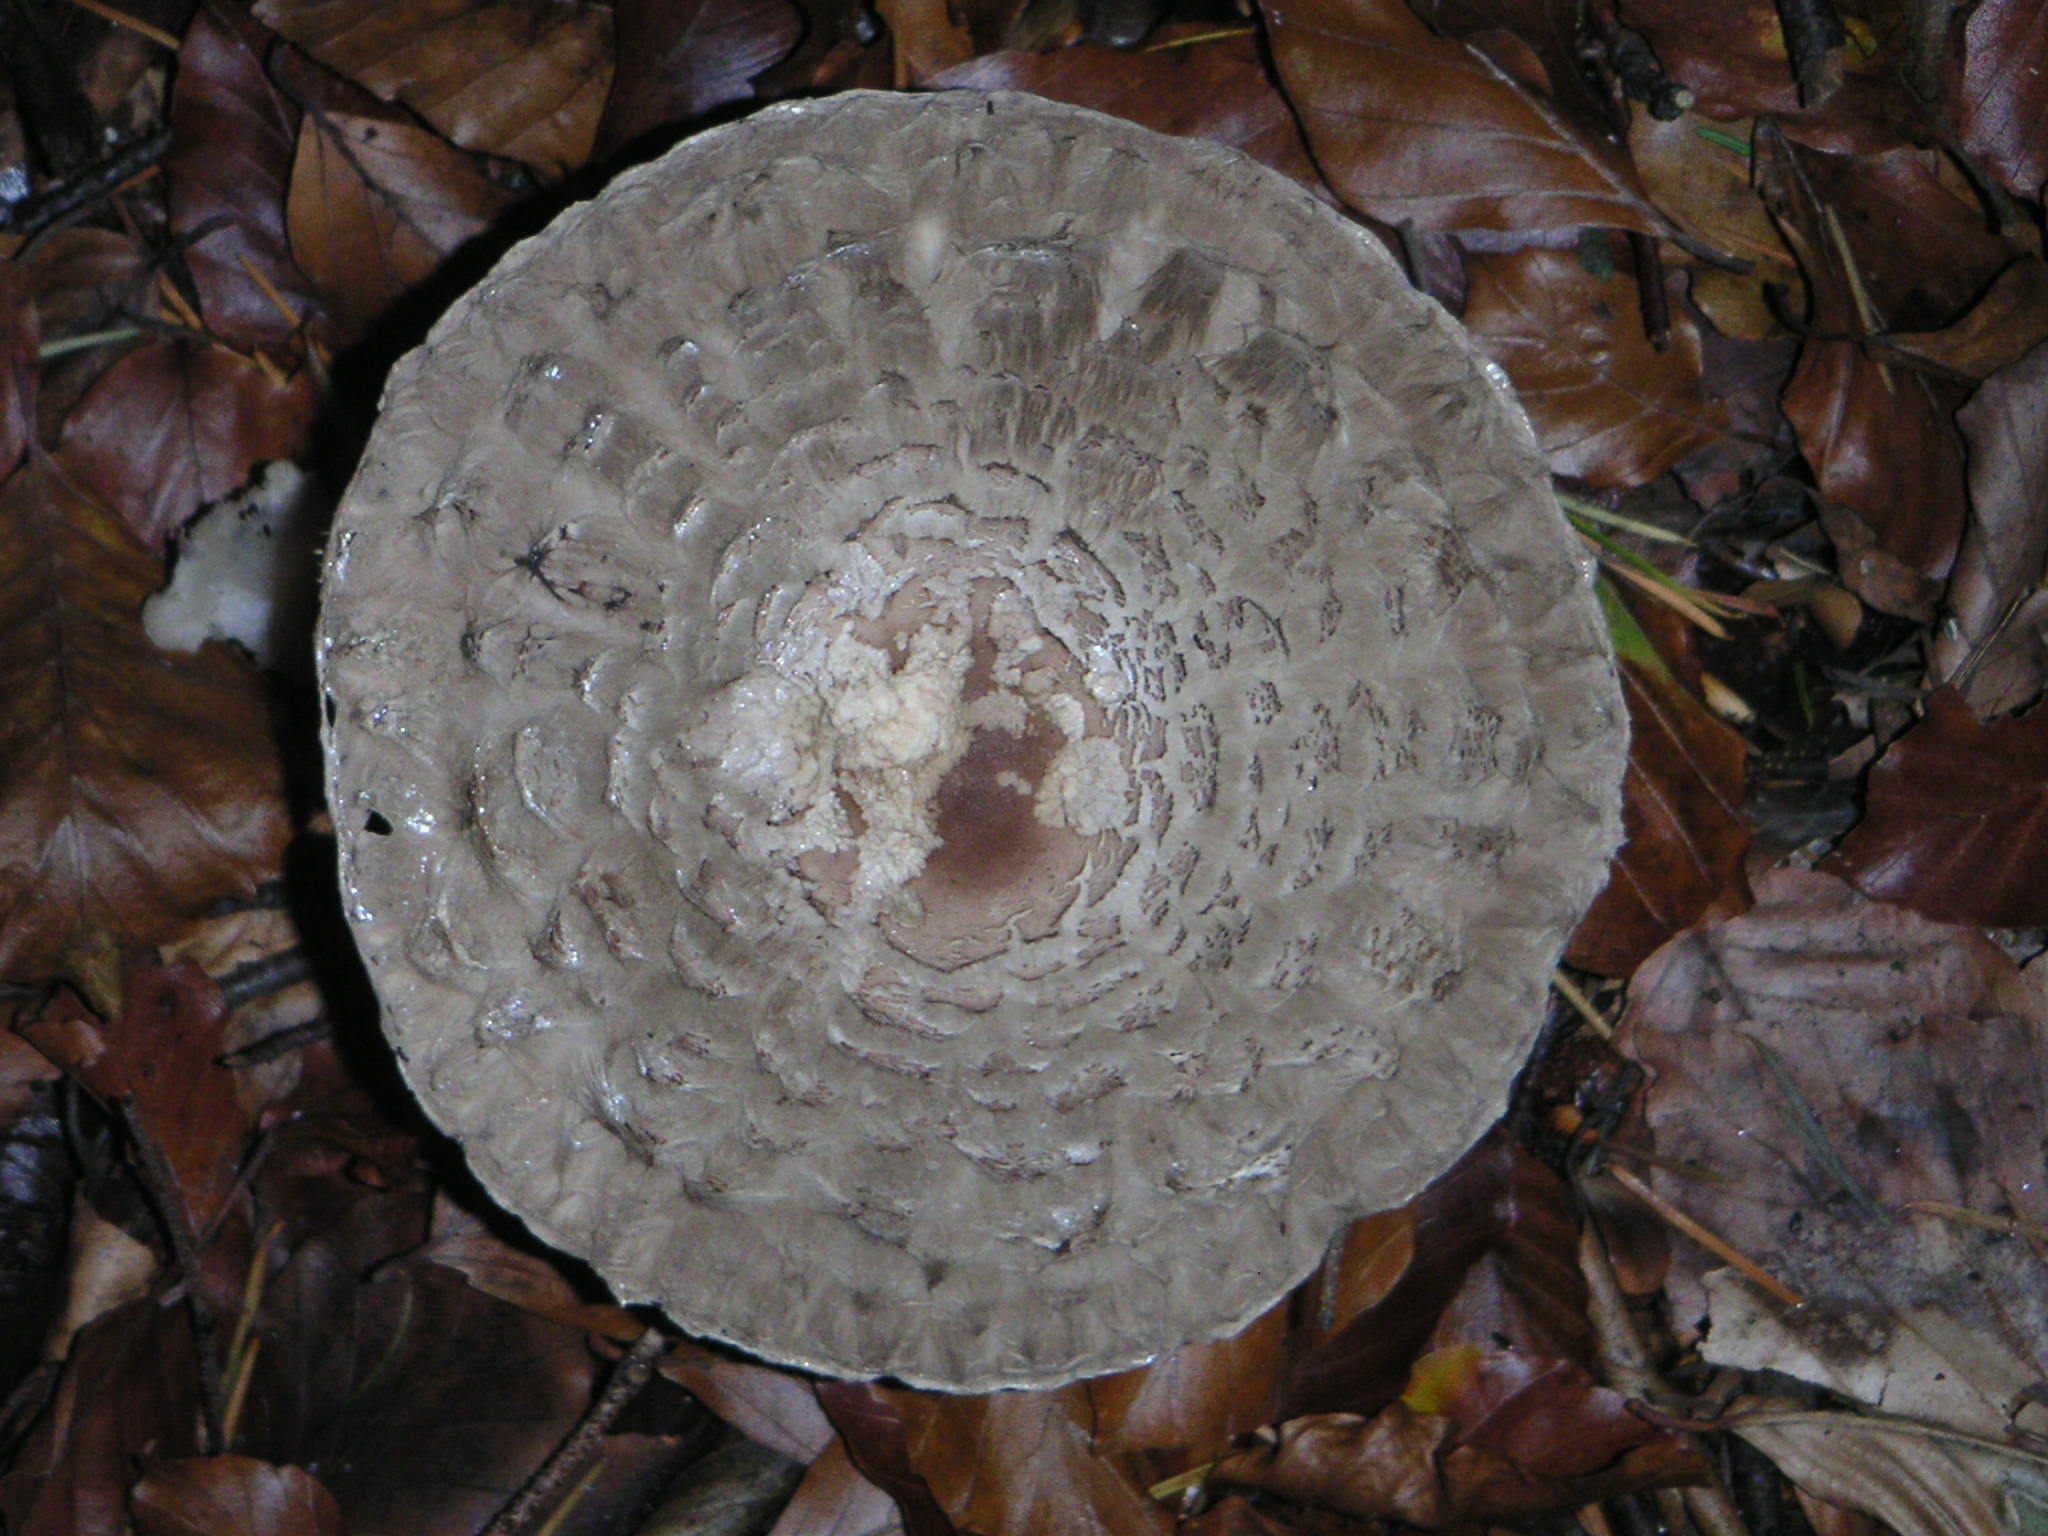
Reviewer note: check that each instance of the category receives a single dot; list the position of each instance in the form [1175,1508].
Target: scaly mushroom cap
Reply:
[958,729]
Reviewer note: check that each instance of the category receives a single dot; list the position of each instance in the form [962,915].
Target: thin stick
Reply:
[134,24]
[160,1184]
[1581,1004]
[1720,1247]
[628,1377]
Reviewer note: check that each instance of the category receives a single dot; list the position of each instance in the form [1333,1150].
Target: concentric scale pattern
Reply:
[958,729]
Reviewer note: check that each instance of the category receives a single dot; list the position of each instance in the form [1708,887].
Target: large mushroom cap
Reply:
[959,728]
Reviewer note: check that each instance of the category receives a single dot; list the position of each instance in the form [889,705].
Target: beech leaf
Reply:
[1412,127]
[2000,94]
[1214,89]
[1955,823]
[375,205]
[1853,1097]
[521,78]
[1681,810]
[1608,406]
[232,1496]
[136,787]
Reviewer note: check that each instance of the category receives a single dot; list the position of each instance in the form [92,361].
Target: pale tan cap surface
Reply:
[987,728]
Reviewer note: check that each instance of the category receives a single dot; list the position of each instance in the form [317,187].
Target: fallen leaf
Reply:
[1998,92]
[1923,249]
[1023,1463]
[1681,809]
[1990,652]
[1412,127]
[526,1279]
[926,38]
[1489,1253]
[1955,819]
[1198,1398]
[2008,321]
[230,161]
[421,1402]
[1609,408]
[1918,1482]
[870,1422]
[127,1390]
[231,1496]
[175,426]
[1881,438]
[1184,86]
[775,1408]
[1698,173]
[1479,1437]
[159,1057]
[1731,56]
[1831,1079]
[376,204]
[835,1500]
[135,787]
[1550,35]
[525,79]
[678,59]
[109,1268]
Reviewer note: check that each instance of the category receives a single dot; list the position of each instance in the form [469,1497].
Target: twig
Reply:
[1715,1244]
[628,1377]
[260,978]
[32,215]
[134,24]
[1814,38]
[160,1184]
[1650,294]
[1641,77]
[1581,1004]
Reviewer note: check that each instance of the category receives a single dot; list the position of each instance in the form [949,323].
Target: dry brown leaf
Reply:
[527,1280]
[1822,1068]
[1881,439]
[1956,819]
[232,132]
[1681,809]
[926,38]
[1003,1464]
[1917,1482]
[1479,1437]
[159,1057]
[1703,184]
[375,205]
[525,79]
[1999,92]
[174,426]
[1199,1397]
[1608,407]
[1412,127]
[1215,89]
[772,1407]
[1731,55]
[1489,1253]
[1023,1463]
[2008,321]
[678,59]
[136,787]
[424,1403]
[231,1496]
[127,1391]
[835,1500]
[1995,651]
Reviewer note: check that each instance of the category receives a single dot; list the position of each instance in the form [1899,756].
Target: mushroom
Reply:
[957,730]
